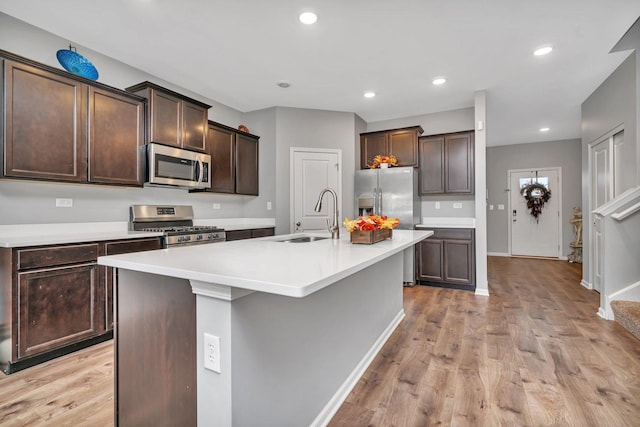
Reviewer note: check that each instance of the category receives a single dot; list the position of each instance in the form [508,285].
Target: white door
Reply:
[601,192]
[531,236]
[312,171]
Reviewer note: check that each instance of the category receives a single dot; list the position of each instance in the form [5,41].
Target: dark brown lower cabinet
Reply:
[57,307]
[55,299]
[249,233]
[121,247]
[447,259]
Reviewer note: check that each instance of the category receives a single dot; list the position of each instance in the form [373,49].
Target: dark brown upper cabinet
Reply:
[115,138]
[222,142]
[402,143]
[246,164]
[61,127]
[447,164]
[45,118]
[234,160]
[173,119]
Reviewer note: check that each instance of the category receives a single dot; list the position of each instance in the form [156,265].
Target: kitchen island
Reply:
[297,323]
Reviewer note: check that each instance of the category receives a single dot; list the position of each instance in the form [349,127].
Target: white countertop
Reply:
[22,235]
[447,222]
[15,236]
[265,264]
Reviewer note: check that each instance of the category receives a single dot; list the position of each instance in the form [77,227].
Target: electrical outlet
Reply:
[212,352]
[268,206]
[490,207]
[64,203]
[457,206]
[437,205]
[500,207]
[216,206]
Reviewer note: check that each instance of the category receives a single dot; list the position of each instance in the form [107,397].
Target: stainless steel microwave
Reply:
[177,167]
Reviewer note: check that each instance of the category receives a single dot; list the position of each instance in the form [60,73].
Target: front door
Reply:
[531,235]
[313,170]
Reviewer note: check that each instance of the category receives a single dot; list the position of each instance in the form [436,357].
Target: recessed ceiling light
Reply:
[542,50]
[308,18]
[439,81]
[283,84]
[369,94]
[544,129]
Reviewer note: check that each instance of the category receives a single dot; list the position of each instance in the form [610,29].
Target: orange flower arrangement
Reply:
[370,223]
[379,159]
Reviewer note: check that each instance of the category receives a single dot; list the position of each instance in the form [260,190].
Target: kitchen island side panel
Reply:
[291,355]
[155,351]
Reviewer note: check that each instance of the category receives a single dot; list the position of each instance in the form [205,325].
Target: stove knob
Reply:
[199,237]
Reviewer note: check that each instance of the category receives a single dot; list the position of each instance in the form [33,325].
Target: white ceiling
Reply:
[235,51]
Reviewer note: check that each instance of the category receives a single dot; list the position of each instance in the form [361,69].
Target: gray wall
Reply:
[263,123]
[434,124]
[564,154]
[613,103]
[316,129]
[23,202]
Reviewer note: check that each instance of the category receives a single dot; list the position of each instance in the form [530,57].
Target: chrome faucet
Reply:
[333,228]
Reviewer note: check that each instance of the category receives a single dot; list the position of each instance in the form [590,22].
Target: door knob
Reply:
[298,224]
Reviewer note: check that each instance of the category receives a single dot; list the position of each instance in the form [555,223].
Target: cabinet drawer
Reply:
[238,235]
[262,232]
[57,255]
[452,233]
[137,245]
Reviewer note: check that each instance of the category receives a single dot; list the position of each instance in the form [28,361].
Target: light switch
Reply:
[437,205]
[490,207]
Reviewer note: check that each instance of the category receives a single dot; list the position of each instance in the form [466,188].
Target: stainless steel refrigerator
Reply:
[392,192]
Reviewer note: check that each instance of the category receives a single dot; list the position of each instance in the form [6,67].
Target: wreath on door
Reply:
[537,195]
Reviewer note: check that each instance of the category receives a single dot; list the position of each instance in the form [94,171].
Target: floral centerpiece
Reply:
[381,161]
[370,229]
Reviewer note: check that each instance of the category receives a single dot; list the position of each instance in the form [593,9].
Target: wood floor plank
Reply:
[534,353]
[538,356]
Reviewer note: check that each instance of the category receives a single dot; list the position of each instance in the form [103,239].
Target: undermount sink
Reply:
[303,239]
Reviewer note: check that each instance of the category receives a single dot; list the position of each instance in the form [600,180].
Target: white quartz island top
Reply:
[266,264]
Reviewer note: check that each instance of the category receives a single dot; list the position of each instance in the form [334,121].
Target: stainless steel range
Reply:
[176,222]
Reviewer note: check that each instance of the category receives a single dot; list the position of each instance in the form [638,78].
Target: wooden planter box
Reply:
[370,237]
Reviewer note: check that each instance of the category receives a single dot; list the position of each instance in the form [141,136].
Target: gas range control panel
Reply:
[191,239]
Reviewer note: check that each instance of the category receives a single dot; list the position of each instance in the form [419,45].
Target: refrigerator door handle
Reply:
[379,201]
[375,201]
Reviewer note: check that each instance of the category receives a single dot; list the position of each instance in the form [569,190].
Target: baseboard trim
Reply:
[482,292]
[498,254]
[602,313]
[340,396]
[586,284]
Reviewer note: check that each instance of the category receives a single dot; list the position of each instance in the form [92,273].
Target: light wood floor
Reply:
[534,353]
